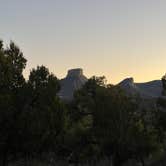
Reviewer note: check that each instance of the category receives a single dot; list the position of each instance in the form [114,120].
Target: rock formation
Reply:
[152,89]
[72,82]
[75,79]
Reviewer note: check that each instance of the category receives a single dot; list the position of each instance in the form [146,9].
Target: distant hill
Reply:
[72,82]
[152,89]
[75,79]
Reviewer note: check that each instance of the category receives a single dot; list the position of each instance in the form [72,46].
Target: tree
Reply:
[43,116]
[79,139]
[16,65]
[12,64]
[112,123]
[120,127]
[164,84]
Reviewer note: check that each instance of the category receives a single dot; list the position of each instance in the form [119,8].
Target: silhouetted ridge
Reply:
[75,72]
[152,89]
[75,79]
[72,82]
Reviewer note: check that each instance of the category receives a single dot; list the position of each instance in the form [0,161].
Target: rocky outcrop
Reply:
[75,79]
[72,82]
[129,87]
[152,89]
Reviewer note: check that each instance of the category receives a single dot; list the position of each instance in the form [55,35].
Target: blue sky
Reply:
[115,38]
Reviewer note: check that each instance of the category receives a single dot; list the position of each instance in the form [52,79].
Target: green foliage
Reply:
[161,120]
[43,113]
[12,64]
[112,123]
[32,117]
[101,121]
[164,84]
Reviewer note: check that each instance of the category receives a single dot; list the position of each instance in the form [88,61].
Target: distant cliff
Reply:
[151,89]
[72,82]
[75,79]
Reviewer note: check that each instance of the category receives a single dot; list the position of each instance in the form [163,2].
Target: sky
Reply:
[115,38]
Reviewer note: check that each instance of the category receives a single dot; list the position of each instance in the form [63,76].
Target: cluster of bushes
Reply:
[101,121]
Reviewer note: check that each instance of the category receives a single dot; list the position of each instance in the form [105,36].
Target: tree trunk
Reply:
[4,159]
[142,161]
[116,160]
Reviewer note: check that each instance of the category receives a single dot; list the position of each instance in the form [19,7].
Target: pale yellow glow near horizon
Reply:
[115,38]
[115,71]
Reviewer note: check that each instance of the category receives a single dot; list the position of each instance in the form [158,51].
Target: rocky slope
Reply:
[152,89]
[72,82]
[75,79]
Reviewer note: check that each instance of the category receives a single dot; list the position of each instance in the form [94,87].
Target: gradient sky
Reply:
[115,38]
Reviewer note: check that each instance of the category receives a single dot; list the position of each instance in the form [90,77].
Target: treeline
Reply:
[101,121]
